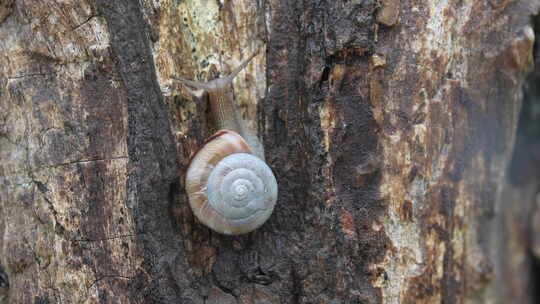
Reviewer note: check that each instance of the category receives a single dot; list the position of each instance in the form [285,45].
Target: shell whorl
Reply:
[230,190]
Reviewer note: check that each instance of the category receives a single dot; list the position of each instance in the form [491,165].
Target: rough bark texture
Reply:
[389,125]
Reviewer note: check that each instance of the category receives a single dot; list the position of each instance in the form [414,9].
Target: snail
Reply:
[230,187]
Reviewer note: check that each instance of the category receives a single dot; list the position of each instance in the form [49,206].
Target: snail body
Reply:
[230,187]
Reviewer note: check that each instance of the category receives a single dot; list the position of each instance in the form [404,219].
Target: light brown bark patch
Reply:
[389,12]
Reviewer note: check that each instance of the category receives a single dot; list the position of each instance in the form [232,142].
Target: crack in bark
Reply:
[297,285]
[59,229]
[82,161]
[84,22]
[110,276]
[29,75]
[222,287]
[87,292]
[108,238]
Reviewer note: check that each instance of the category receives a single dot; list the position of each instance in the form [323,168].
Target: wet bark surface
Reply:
[389,126]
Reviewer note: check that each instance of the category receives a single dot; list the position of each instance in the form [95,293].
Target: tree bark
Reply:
[389,126]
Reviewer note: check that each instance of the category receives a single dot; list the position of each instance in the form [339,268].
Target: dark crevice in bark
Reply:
[535,279]
[58,227]
[296,286]
[524,168]
[151,152]
[222,286]
[526,158]
[83,23]
[325,75]
[531,124]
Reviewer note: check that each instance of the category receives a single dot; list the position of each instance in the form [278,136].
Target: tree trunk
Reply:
[389,126]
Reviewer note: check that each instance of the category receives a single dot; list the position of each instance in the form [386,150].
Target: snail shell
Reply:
[230,190]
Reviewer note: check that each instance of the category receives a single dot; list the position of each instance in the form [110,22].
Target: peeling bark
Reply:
[389,126]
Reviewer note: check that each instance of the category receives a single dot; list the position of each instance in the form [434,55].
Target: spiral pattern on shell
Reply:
[230,190]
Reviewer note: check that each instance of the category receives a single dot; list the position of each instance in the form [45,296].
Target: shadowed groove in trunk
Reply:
[151,152]
[524,172]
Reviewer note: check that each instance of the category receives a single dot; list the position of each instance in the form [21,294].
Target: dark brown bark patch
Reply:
[151,153]
[318,63]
